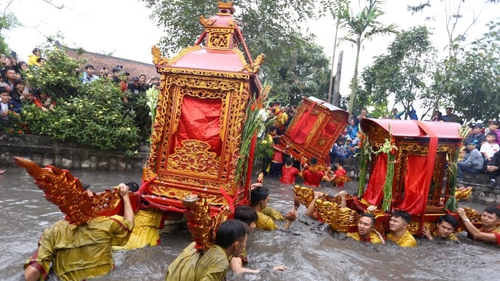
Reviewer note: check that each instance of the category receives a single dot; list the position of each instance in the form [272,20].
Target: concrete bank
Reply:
[45,151]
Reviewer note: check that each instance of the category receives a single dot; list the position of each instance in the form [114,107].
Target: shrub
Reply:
[15,126]
[97,120]
[92,114]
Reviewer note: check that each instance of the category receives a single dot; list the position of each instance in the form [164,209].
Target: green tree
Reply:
[305,74]
[360,27]
[272,27]
[403,72]
[7,21]
[472,82]
[457,38]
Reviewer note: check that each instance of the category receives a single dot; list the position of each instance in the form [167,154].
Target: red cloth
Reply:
[300,131]
[329,130]
[200,120]
[339,173]
[497,235]
[415,180]
[288,174]
[375,189]
[312,178]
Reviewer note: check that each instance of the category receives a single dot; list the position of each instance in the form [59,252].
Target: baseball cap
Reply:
[477,125]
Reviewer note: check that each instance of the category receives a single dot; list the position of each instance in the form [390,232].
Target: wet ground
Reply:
[308,250]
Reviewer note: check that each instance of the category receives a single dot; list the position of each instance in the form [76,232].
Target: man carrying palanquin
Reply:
[259,198]
[312,175]
[490,231]
[81,251]
[366,223]
[366,231]
[444,229]
[211,265]
[247,215]
[399,234]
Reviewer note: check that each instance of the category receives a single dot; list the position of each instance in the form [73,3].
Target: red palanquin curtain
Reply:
[374,190]
[200,120]
[415,192]
[300,131]
[329,130]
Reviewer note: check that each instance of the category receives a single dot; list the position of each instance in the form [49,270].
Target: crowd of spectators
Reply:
[16,93]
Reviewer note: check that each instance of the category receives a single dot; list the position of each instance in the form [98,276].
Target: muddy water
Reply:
[309,252]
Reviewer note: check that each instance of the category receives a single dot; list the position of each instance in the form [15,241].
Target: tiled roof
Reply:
[99,61]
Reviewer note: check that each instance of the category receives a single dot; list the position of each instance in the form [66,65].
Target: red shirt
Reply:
[288,174]
[278,157]
[312,178]
[339,173]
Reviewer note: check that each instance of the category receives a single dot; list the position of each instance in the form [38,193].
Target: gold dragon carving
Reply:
[65,191]
[339,219]
[206,22]
[202,224]
[157,56]
[255,66]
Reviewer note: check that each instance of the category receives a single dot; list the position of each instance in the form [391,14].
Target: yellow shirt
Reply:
[192,265]
[406,241]
[273,213]
[374,239]
[452,236]
[146,230]
[79,252]
[265,222]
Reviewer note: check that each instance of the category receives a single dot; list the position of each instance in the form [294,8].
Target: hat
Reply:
[495,122]
[133,186]
[474,142]
[477,125]
[135,79]
[449,107]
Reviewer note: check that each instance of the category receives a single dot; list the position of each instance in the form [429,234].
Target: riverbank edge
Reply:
[45,151]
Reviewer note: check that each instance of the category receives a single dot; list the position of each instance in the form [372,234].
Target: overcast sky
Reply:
[123,28]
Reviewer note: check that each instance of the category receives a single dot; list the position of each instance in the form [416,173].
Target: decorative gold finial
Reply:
[255,67]
[157,56]
[206,22]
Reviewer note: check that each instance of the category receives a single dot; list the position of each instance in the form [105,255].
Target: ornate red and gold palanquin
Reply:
[425,151]
[314,129]
[197,132]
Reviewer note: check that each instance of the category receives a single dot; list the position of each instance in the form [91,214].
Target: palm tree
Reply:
[360,27]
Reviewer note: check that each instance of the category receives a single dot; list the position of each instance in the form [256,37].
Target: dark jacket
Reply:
[479,137]
[495,160]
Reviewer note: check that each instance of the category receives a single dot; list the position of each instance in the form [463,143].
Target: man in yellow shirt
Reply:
[247,215]
[212,265]
[399,234]
[259,198]
[366,232]
[490,231]
[83,251]
[444,229]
